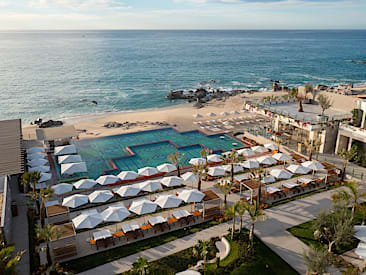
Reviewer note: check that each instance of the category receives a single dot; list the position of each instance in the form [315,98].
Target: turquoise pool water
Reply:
[98,152]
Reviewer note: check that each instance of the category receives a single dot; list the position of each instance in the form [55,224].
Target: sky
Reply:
[181,14]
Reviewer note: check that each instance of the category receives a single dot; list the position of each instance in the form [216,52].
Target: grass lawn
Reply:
[91,261]
[305,233]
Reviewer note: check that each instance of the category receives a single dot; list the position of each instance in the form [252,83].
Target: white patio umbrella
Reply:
[214,158]
[298,169]
[87,220]
[197,161]
[65,150]
[37,162]
[190,177]
[234,112]
[281,174]
[72,168]
[62,188]
[237,168]
[282,157]
[128,175]
[271,146]
[361,250]
[197,116]
[250,164]
[84,184]
[143,206]
[172,181]
[148,171]
[100,196]
[45,177]
[191,195]
[75,200]
[246,152]
[36,156]
[259,149]
[34,150]
[115,213]
[216,171]
[41,168]
[211,114]
[69,159]
[268,179]
[107,179]
[266,160]
[313,165]
[166,167]
[168,201]
[150,185]
[128,191]
[224,113]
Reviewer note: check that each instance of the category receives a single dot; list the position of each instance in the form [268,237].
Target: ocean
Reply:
[56,74]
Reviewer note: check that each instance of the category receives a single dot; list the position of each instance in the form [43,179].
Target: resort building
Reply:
[355,132]
[295,128]
[56,136]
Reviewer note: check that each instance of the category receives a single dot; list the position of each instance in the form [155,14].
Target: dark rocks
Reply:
[50,123]
[94,102]
[127,125]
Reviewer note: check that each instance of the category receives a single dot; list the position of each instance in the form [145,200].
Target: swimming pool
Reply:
[150,148]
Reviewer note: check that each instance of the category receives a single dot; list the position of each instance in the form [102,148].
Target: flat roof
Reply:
[65,231]
[56,209]
[311,111]
[53,133]
[11,147]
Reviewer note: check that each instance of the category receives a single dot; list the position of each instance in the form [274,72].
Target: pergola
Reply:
[211,204]
[251,185]
[57,213]
[63,245]
[56,136]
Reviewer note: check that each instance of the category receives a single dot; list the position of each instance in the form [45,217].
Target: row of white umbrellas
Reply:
[210,114]
[164,201]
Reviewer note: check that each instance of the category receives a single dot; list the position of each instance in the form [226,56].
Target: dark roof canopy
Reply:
[11,147]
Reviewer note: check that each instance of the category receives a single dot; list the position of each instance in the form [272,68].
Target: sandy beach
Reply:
[179,116]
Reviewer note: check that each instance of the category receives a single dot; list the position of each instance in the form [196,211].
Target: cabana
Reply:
[148,171]
[128,175]
[107,179]
[211,205]
[65,150]
[62,188]
[251,185]
[69,159]
[100,196]
[166,167]
[57,213]
[84,184]
[214,158]
[128,191]
[65,245]
[73,168]
[172,181]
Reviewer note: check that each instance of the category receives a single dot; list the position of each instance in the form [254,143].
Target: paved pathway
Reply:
[272,232]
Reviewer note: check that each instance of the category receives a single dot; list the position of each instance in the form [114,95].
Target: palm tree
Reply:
[241,211]
[225,188]
[31,178]
[201,250]
[205,153]
[175,159]
[256,213]
[46,234]
[46,195]
[351,196]
[278,141]
[311,146]
[346,156]
[231,213]
[9,261]
[232,158]
[259,174]
[141,266]
[199,170]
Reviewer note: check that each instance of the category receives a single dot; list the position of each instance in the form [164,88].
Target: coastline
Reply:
[179,116]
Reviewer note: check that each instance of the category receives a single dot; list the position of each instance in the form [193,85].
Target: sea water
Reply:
[56,74]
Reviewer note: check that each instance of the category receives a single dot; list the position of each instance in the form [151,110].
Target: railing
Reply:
[356,130]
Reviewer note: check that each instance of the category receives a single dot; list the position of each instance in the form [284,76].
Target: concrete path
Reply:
[20,229]
[272,232]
